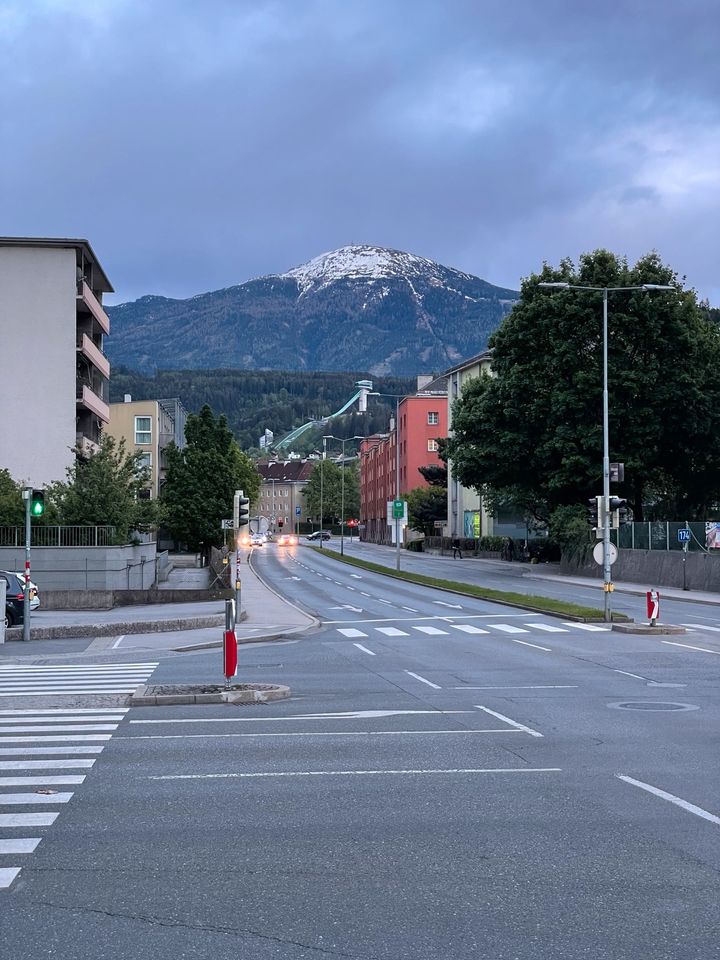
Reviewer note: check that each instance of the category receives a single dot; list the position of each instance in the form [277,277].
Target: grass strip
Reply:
[527,601]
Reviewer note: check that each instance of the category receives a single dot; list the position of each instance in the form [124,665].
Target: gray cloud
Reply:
[199,145]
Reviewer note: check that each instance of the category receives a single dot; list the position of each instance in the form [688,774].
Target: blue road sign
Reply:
[683,535]
[298,511]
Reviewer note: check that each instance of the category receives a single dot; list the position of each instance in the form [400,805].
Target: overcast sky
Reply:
[199,144]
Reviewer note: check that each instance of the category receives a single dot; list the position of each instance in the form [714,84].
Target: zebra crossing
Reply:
[34,776]
[448,628]
[33,680]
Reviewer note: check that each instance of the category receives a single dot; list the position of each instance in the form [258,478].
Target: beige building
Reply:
[148,427]
[55,376]
[283,482]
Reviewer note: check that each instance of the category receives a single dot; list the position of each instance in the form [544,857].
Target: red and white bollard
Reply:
[653,606]
[230,654]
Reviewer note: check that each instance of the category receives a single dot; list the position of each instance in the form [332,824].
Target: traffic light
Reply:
[241,510]
[37,503]
[619,511]
[596,513]
[280,521]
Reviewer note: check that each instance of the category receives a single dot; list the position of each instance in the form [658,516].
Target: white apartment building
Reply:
[54,383]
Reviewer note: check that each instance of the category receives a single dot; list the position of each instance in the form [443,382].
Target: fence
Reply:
[75,536]
[663,535]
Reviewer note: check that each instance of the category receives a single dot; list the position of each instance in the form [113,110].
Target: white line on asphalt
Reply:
[468,628]
[526,643]
[431,631]
[352,773]
[410,609]
[27,819]
[40,781]
[701,626]
[54,720]
[318,733]
[356,576]
[547,627]
[464,616]
[664,795]
[554,686]
[61,710]
[687,646]
[442,603]
[365,594]
[349,632]
[118,641]
[64,692]
[81,666]
[7,875]
[380,600]
[42,728]
[20,845]
[587,626]
[513,723]
[44,764]
[350,588]
[417,676]
[45,751]
[506,628]
[364,649]
[626,674]
[30,799]
[392,632]
[89,737]
[349,715]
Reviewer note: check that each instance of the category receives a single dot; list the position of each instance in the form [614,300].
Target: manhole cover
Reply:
[656,705]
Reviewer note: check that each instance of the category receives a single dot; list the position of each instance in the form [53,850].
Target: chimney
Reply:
[423,380]
[127,398]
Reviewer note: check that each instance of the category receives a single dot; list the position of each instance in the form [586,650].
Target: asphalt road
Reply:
[451,778]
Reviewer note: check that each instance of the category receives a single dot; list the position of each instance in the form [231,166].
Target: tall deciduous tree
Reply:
[331,486]
[531,434]
[425,506]
[202,479]
[12,512]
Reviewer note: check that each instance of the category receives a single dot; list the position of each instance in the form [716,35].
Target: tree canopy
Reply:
[12,509]
[531,434]
[331,475]
[425,506]
[202,479]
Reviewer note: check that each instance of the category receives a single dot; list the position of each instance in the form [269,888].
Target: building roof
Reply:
[287,471]
[471,361]
[64,244]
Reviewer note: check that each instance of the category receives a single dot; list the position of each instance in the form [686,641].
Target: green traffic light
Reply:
[37,503]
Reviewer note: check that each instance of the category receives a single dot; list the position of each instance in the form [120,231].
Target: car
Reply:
[257,540]
[319,535]
[13,600]
[287,540]
[34,592]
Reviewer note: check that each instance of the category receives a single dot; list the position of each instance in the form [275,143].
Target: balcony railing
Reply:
[94,354]
[92,303]
[57,536]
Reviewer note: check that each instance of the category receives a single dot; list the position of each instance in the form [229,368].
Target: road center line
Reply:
[526,644]
[513,723]
[556,686]
[319,733]
[635,675]
[364,649]
[417,676]
[687,646]
[664,795]
[351,773]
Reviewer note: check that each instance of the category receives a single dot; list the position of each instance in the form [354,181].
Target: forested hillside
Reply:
[253,400]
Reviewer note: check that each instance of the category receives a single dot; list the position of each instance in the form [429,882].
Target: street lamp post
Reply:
[561,285]
[322,477]
[343,441]
[397,397]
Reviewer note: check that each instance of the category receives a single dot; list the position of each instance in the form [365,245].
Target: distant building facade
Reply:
[148,427]
[283,482]
[54,369]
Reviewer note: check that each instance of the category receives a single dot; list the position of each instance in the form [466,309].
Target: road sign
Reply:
[399,517]
[226,524]
[298,511]
[598,553]
[398,509]
[684,535]
[617,472]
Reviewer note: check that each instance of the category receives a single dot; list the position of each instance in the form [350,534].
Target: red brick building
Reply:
[423,419]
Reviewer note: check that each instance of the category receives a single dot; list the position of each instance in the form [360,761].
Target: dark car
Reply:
[319,535]
[13,601]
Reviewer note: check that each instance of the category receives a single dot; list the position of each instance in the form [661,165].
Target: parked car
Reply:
[287,540]
[319,535]
[13,600]
[34,592]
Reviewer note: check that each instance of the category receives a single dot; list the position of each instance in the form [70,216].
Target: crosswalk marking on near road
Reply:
[73,679]
[468,628]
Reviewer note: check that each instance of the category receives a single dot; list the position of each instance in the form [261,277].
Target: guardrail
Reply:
[59,536]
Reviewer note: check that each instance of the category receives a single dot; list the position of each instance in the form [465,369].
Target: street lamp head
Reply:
[658,286]
[554,285]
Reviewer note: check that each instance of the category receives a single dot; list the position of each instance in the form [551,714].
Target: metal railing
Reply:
[663,535]
[57,536]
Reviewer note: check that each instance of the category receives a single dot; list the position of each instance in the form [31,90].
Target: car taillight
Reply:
[20,596]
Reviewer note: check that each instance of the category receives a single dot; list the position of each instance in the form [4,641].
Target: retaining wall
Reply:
[655,568]
[129,567]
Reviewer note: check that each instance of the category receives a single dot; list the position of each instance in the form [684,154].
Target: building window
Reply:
[433,417]
[145,461]
[432,446]
[143,430]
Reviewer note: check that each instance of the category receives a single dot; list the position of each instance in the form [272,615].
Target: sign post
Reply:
[683,536]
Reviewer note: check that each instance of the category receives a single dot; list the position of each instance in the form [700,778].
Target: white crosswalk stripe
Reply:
[20,680]
[507,628]
[29,761]
[488,627]
[431,631]
[468,628]
[547,627]
[348,632]
[591,627]
[392,632]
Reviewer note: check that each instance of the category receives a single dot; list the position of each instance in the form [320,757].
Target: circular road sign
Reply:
[598,553]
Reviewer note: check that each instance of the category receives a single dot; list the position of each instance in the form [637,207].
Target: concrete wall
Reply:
[86,568]
[38,310]
[655,568]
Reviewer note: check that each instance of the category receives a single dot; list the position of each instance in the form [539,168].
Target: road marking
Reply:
[506,628]
[513,723]
[380,600]
[7,875]
[364,649]
[554,686]
[27,819]
[442,603]
[392,632]
[93,737]
[118,642]
[593,628]
[61,710]
[19,845]
[445,619]
[349,715]
[353,773]
[44,764]
[348,606]
[60,728]
[410,609]
[468,628]
[45,751]
[687,646]
[55,720]
[664,795]
[63,691]
[526,643]
[547,627]
[417,676]
[365,594]
[40,781]
[356,576]
[75,667]
[21,799]
[352,633]
[431,631]
[701,626]
[635,675]
[317,733]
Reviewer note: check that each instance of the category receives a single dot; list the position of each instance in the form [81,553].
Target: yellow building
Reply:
[148,427]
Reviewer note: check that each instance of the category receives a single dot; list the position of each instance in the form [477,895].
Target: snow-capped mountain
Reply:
[359,308]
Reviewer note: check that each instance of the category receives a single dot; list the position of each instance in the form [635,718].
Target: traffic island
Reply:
[167,695]
[647,629]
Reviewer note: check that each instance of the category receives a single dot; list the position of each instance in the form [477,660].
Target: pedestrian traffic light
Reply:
[596,513]
[241,510]
[619,509]
[280,521]
[37,503]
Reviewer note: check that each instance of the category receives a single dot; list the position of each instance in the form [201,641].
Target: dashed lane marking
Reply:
[365,649]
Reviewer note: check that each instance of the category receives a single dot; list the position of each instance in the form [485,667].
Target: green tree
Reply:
[202,479]
[12,510]
[531,434]
[331,475]
[436,475]
[105,489]
[425,506]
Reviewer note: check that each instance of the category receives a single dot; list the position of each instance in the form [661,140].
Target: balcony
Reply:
[91,401]
[94,355]
[93,305]
[85,446]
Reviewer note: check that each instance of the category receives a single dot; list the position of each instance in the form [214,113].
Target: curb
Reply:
[631,591]
[253,693]
[258,638]
[314,621]
[646,630]
[68,631]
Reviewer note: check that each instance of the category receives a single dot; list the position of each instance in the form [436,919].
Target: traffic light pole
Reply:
[607,581]
[27,496]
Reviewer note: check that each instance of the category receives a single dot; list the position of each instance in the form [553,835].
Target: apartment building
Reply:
[283,482]
[54,372]
[148,427]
